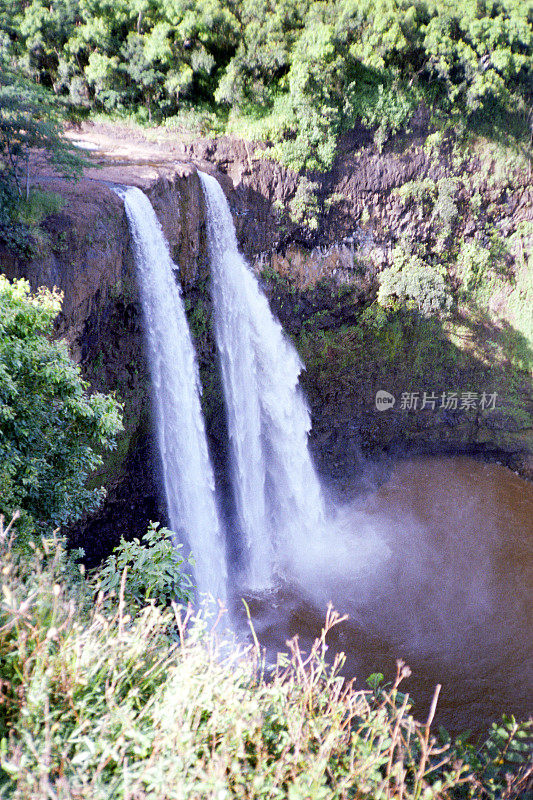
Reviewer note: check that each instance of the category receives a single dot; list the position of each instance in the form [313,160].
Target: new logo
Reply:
[384,400]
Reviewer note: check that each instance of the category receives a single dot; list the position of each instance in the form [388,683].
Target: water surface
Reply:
[434,567]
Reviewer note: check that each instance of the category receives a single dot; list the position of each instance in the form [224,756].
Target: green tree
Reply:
[142,71]
[52,432]
[45,28]
[263,56]
[296,72]
[30,119]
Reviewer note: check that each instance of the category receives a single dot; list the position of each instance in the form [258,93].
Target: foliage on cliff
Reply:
[296,72]
[52,432]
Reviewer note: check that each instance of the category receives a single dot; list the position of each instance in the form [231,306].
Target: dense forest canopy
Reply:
[301,72]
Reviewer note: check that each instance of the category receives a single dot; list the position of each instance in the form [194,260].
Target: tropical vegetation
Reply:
[31,122]
[296,72]
[53,432]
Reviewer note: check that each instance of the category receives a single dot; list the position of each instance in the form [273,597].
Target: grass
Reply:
[198,119]
[100,701]
[20,220]
[39,205]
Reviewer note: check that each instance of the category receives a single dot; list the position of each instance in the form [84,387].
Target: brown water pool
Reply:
[435,567]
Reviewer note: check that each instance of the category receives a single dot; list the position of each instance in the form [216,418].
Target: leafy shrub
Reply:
[387,107]
[14,236]
[445,209]
[30,119]
[481,263]
[473,261]
[414,282]
[52,433]
[153,570]
[304,205]
[199,121]
[423,192]
[438,196]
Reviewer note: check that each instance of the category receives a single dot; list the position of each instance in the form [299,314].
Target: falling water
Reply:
[188,475]
[277,492]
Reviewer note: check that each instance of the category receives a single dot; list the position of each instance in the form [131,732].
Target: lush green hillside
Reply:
[295,72]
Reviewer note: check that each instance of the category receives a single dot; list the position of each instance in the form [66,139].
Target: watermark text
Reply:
[434,401]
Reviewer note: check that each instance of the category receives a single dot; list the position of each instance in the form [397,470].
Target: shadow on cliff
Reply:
[499,343]
[348,360]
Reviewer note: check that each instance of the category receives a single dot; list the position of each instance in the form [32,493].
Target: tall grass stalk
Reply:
[99,700]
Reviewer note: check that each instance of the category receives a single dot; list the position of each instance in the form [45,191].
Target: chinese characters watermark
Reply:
[432,401]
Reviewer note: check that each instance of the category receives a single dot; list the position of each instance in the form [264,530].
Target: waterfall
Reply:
[277,492]
[187,471]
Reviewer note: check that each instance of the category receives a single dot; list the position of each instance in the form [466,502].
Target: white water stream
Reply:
[187,471]
[277,492]
[281,523]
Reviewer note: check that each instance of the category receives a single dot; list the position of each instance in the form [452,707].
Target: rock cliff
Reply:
[319,248]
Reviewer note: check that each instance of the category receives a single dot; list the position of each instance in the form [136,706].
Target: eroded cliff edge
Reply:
[321,273]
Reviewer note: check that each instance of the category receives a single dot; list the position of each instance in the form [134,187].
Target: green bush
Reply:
[445,209]
[303,207]
[14,235]
[435,196]
[387,106]
[195,120]
[482,265]
[151,569]
[423,192]
[52,432]
[30,120]
[473,262]
[415,283]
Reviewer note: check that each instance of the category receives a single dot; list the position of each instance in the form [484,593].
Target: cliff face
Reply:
[320,250]
[85,250]
[321,253]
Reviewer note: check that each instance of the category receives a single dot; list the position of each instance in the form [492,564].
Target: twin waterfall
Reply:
[276,491]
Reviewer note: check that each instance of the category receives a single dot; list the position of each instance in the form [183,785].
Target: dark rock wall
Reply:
[319,282]
[85,250]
